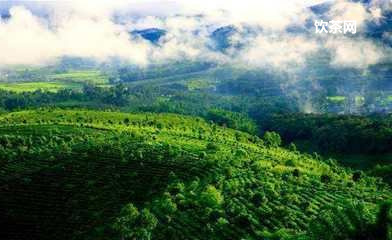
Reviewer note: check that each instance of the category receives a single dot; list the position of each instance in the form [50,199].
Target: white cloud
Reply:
[88,29]
[269,14]
[349,11]
[27,39]
[24,39]
[282,52]
[358,53]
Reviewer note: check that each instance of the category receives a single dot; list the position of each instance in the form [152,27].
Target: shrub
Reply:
[211,197]
[325,178]
[292,147]
[159,125]
[222,222]
[243,221]
[202,154]
[290,163]
[212,146]
[214,215]
[258,199]
[241,153]
[296,173]
[357,176]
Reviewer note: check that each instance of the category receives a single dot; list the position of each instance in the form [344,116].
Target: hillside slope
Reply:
[78,174]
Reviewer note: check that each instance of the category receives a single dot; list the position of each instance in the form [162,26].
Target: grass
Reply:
[69,80]
[198,84]
[359,100]
[92,76]
[336,99]
[24,68]
[33,86]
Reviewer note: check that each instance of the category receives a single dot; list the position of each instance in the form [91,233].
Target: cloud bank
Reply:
[41,32]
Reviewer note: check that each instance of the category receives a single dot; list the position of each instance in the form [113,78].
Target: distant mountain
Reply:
[380,30]
[151,34]
[4,14]
[224,38]
[221,37]
[322,8]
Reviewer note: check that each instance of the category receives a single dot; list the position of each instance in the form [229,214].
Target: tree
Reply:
[233,120]
[126,223]
[165,205]
[272,139]
[132,224]
[383,225]
[353,221]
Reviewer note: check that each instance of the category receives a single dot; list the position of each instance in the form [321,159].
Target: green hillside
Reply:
[33,79]
[92,76]
[21,87]
[82,174]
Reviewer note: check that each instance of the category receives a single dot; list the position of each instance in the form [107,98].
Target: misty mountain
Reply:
[151,34]
[322,8]
[377,29]
[233,37]
[221,37]
[381,30]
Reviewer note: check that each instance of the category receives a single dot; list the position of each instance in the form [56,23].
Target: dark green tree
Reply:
[132,224]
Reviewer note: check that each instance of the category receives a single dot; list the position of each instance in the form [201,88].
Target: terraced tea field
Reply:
[66,174]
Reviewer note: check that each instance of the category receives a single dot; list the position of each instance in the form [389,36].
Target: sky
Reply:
[39,33]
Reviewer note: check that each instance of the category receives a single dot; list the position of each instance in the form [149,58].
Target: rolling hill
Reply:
[83,174]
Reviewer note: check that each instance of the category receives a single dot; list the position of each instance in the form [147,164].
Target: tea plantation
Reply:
[83,174]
